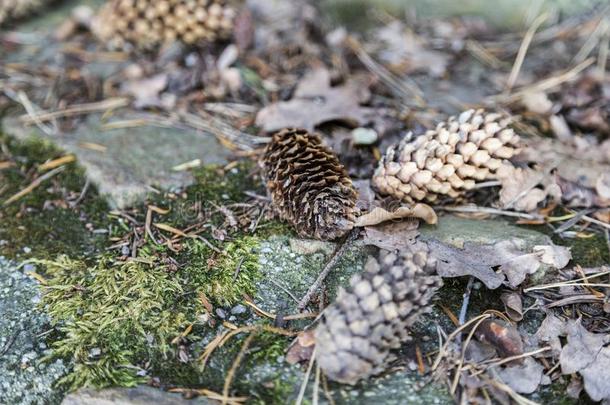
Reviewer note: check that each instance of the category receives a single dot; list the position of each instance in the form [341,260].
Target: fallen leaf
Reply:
[524,378]
[391,236]
[586,103]
[575,171]
[513,305]
[588,354]
[146,91]
[504,262]
[537,102]
[378,215]
[553,255]
[521,189]
[406,52]
[315,102]
[302,349]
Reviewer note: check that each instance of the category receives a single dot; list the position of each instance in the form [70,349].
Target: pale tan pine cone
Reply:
[14,9]
[308,185]
[448,160]
[148,24]
[373,316]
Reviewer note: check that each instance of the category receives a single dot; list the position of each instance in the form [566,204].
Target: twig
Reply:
[339,251]
[466,300]
[495,363]
[235,365]
[29,108]
[316,386]
[596,221]
[79,109]
[34,184]
[453,334]
[573,221]
[299,400]
[543,85]
[602,56]
[486,210]
[404,90]
[82,194]
[281,287]
[527,40]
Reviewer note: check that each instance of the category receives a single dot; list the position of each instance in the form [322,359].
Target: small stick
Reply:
[299,400]
[486,210]
[525,44]
[339,251]
[34,184]
[466,297]
[235,365]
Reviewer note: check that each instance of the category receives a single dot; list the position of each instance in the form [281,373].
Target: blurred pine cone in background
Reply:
[308,185]
[356,333]
[13,9]
[448,160]
[147,24]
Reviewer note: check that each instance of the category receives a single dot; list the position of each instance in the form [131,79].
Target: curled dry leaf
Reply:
[302,349]
[513,305]
[378,215]
[315,101]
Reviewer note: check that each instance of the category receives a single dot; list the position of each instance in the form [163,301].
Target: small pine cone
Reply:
[148,24]
[13,9]
[357,332]
[448,160]
[308,185]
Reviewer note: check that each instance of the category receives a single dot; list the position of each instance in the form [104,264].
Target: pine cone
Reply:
[356,333]
[147,24]
[10,9]
[308,185]
[447,160]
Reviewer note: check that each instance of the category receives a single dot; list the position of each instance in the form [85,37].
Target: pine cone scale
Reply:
[371,317]
[308,185]
[448,160]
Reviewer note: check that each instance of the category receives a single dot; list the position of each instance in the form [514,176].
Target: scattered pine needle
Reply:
[33,185]
[56,163]
[93,146]
[235,365]
[450,314]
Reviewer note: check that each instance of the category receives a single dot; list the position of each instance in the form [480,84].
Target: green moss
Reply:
[42,221]
[223,278]
[118,318]
[589,252]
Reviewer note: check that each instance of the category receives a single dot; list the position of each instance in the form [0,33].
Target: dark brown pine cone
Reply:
[448,160]
[371,317]
[146,24]
[308,185]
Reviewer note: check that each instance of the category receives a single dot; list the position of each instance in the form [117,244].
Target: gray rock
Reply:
[135,159]
[25,378]
[141,395]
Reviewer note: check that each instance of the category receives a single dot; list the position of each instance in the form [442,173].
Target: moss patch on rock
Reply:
[42,224]
[121,321]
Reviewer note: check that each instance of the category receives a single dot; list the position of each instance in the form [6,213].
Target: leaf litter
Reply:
[280,72]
